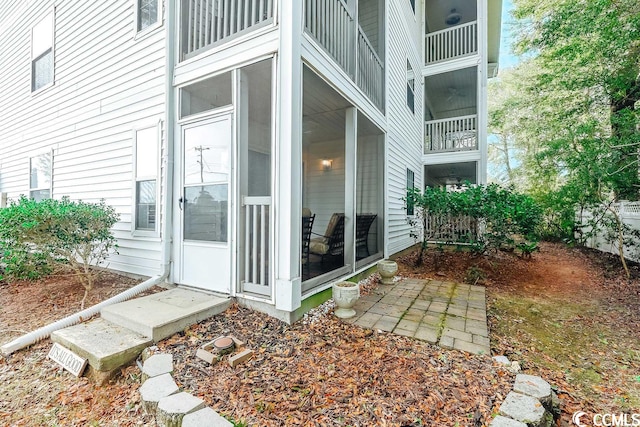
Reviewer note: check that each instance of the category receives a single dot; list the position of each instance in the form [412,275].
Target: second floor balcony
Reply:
[349,32]
[451,135]
[208,23]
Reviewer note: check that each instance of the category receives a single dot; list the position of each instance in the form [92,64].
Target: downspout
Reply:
[167,223]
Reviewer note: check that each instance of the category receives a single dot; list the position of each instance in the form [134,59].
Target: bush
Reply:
[36,237]
[506,220]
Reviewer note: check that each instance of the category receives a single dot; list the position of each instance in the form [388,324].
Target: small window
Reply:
[410,185]
[42,53]
[413,5]
[214,92]
[411,87]
[40,176]
[146,178]
[148,13]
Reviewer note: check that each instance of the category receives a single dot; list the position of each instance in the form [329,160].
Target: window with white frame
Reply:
[148,13]
[40,168]
[146,178]
[413,5]
[42,53]
[411,87]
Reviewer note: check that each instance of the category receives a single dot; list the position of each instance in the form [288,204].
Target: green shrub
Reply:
[506,220]
[36,237]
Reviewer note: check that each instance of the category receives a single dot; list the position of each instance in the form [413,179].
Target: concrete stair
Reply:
[125,329]
[161,315]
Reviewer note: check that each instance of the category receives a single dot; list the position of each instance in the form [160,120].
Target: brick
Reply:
[241,357]
[453,322]
[470,347]
[457,334]
[446,342]
[408,325]
[426,333]
[387,323]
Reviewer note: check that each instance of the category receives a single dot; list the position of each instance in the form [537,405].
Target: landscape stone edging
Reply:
[532,402]
[192,406]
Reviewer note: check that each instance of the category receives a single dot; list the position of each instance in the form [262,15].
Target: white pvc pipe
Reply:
[45,331]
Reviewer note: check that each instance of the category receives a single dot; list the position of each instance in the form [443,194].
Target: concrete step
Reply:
[161,315]
[105,345]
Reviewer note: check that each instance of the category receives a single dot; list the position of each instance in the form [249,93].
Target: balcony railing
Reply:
[450,228]
[331,23]
[370,75]
[451,43]
[454,134]
[206,23]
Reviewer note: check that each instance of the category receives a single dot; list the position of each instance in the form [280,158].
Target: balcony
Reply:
[451,135]
[207,23]
[333,25]
[451,43]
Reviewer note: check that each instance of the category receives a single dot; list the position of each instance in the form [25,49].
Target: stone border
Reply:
[531,403]
[161,397]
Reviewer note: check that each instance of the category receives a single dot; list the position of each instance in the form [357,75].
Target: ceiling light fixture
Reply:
[453,18]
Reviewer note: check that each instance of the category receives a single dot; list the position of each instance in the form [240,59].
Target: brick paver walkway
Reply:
[452,315]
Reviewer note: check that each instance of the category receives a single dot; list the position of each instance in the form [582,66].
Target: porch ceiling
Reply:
[452,94]
[436,12]
[450,173]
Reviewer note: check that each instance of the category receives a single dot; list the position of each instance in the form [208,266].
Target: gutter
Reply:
[167,213]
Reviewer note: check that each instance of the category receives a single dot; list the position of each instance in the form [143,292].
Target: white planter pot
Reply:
[345,295]
[387,270]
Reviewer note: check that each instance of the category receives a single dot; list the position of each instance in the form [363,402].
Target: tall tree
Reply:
[590,49]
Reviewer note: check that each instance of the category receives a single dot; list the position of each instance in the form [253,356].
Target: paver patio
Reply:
[452,315]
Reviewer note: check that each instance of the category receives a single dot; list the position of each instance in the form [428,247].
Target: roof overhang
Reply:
[494,25]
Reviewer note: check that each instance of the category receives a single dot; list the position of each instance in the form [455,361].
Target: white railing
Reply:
[370,75]
[454,134]
[332,24]
[256,244]
[451,43]
[207,22]
[450,229]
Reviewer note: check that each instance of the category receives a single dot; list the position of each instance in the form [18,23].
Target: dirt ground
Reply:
[566,314]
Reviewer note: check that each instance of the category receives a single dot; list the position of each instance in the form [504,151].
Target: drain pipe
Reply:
[167,224]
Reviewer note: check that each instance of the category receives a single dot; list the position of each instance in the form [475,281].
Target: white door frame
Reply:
[178,266]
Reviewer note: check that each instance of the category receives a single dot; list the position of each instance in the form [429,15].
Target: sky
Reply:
[507,58]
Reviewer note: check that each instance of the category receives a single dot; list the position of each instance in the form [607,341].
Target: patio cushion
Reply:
[319,245]
[306,212]
[332,224]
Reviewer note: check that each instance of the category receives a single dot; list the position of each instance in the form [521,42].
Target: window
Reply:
[410,184]
[411,86]
[413,5]
[42,53]
[40,176]
[146,177]
[148,14]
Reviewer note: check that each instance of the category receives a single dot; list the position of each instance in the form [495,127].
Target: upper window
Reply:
[146,177]
[40,176]
[42,53]
[411,87]
[413,5]
[148,13]
[410,185]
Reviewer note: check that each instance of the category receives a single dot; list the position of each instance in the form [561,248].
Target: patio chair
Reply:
[363,224]
[307,226]
[331,243]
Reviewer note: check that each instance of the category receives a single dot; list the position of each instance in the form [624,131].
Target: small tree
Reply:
[36,236]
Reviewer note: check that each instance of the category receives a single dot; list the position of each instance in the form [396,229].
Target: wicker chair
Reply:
[331,243]
[363,224]
[307,226]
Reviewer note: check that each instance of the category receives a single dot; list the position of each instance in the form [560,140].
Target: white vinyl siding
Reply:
[404,135]
[107,84]
[42,62]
